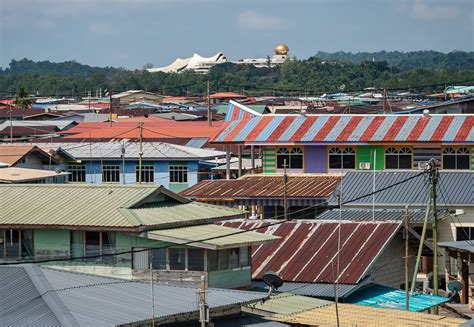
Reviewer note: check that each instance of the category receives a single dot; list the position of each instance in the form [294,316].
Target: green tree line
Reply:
[312,76]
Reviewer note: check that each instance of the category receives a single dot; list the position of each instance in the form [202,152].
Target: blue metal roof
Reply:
[390,298]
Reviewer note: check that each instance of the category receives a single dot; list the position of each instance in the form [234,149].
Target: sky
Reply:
[132,33]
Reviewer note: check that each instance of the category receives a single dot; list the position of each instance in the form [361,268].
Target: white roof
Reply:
[193,62]
[16,174]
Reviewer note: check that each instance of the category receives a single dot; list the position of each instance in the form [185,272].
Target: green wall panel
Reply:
[364,154]
[269,160]
[51,243]
[231,278]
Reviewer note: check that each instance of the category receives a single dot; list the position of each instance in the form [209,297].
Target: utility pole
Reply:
[209,114]
[202,302]
[434,182]
[110,107]
[384,101]
[140,125]
[285,182]
[11,124]
[407,234]
[150,265]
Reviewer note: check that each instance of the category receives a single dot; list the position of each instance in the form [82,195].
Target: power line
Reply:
[209,238]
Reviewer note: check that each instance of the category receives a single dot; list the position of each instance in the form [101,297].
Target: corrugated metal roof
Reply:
[466,246]
[356,315]
[379,296]
[306,249]
[196,233]
[454,188]
[103,206]
[16,174]
[265,186]
[286,303]
[320,290]
[414,215]
[151,150]
[326,128]
[102,301]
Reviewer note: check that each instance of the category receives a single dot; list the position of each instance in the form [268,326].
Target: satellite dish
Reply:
[273,281]
[342,87]
[455,286]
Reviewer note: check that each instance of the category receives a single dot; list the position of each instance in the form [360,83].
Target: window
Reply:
[234,258]
[456,158]
[88,243]
[342,158]
[212,260]
[159,259]
[398,158]
[178,174]
[78,173]
[177,259]
[196,259]
[148,172]
[223,259]
[111,173]
[293,158]
[244,256]
[464,233]
[16,244]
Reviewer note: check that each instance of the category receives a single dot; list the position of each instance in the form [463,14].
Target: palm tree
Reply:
[22,100]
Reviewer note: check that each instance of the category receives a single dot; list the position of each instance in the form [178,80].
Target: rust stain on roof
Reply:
[265,186]
[306,250]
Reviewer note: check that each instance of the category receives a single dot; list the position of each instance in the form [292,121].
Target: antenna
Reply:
[273,281]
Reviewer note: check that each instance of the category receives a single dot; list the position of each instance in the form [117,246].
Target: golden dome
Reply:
[281,49]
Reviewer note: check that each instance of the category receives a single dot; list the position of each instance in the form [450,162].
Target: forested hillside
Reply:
[313,76]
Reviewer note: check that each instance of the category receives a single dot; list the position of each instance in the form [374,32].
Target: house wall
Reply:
[315,158]
[389,269]
[161,173]
[231,278]
[50,243]
[365,153]
[31,160]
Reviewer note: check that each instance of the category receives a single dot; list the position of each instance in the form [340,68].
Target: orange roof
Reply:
[226,95]
[151,130]
[12,153]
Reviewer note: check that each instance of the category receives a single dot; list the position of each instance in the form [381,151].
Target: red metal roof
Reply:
[306,250]
[241,128]
[163,128]
[265,186]
[226,95]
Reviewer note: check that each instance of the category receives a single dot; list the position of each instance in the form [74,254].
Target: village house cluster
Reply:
[139,209]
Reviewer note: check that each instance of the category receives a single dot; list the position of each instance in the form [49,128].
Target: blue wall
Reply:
[161,173]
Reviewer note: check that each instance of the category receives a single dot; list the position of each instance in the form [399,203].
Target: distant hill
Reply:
[322,73]
[406,60]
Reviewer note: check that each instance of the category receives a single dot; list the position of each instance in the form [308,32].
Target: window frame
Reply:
[3,248]
[342,152]
[107,171]
[76,170]
[178,173]
[106,259]
[396,152]
[148,173]
[456,153]
[291,151]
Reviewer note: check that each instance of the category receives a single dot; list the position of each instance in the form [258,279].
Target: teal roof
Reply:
[390,298]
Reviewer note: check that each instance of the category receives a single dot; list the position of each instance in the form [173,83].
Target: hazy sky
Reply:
[131,33]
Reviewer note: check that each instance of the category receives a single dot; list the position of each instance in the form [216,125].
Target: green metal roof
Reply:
[101,206]
[286,303]
[167,214]
[195,233]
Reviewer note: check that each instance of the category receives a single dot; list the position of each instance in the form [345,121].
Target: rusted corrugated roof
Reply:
[306,250]
[265,186]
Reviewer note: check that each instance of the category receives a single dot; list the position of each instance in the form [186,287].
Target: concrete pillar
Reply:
[227,162]
[447,267]
[471,281]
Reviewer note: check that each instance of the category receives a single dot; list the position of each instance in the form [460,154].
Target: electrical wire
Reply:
[209,238]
